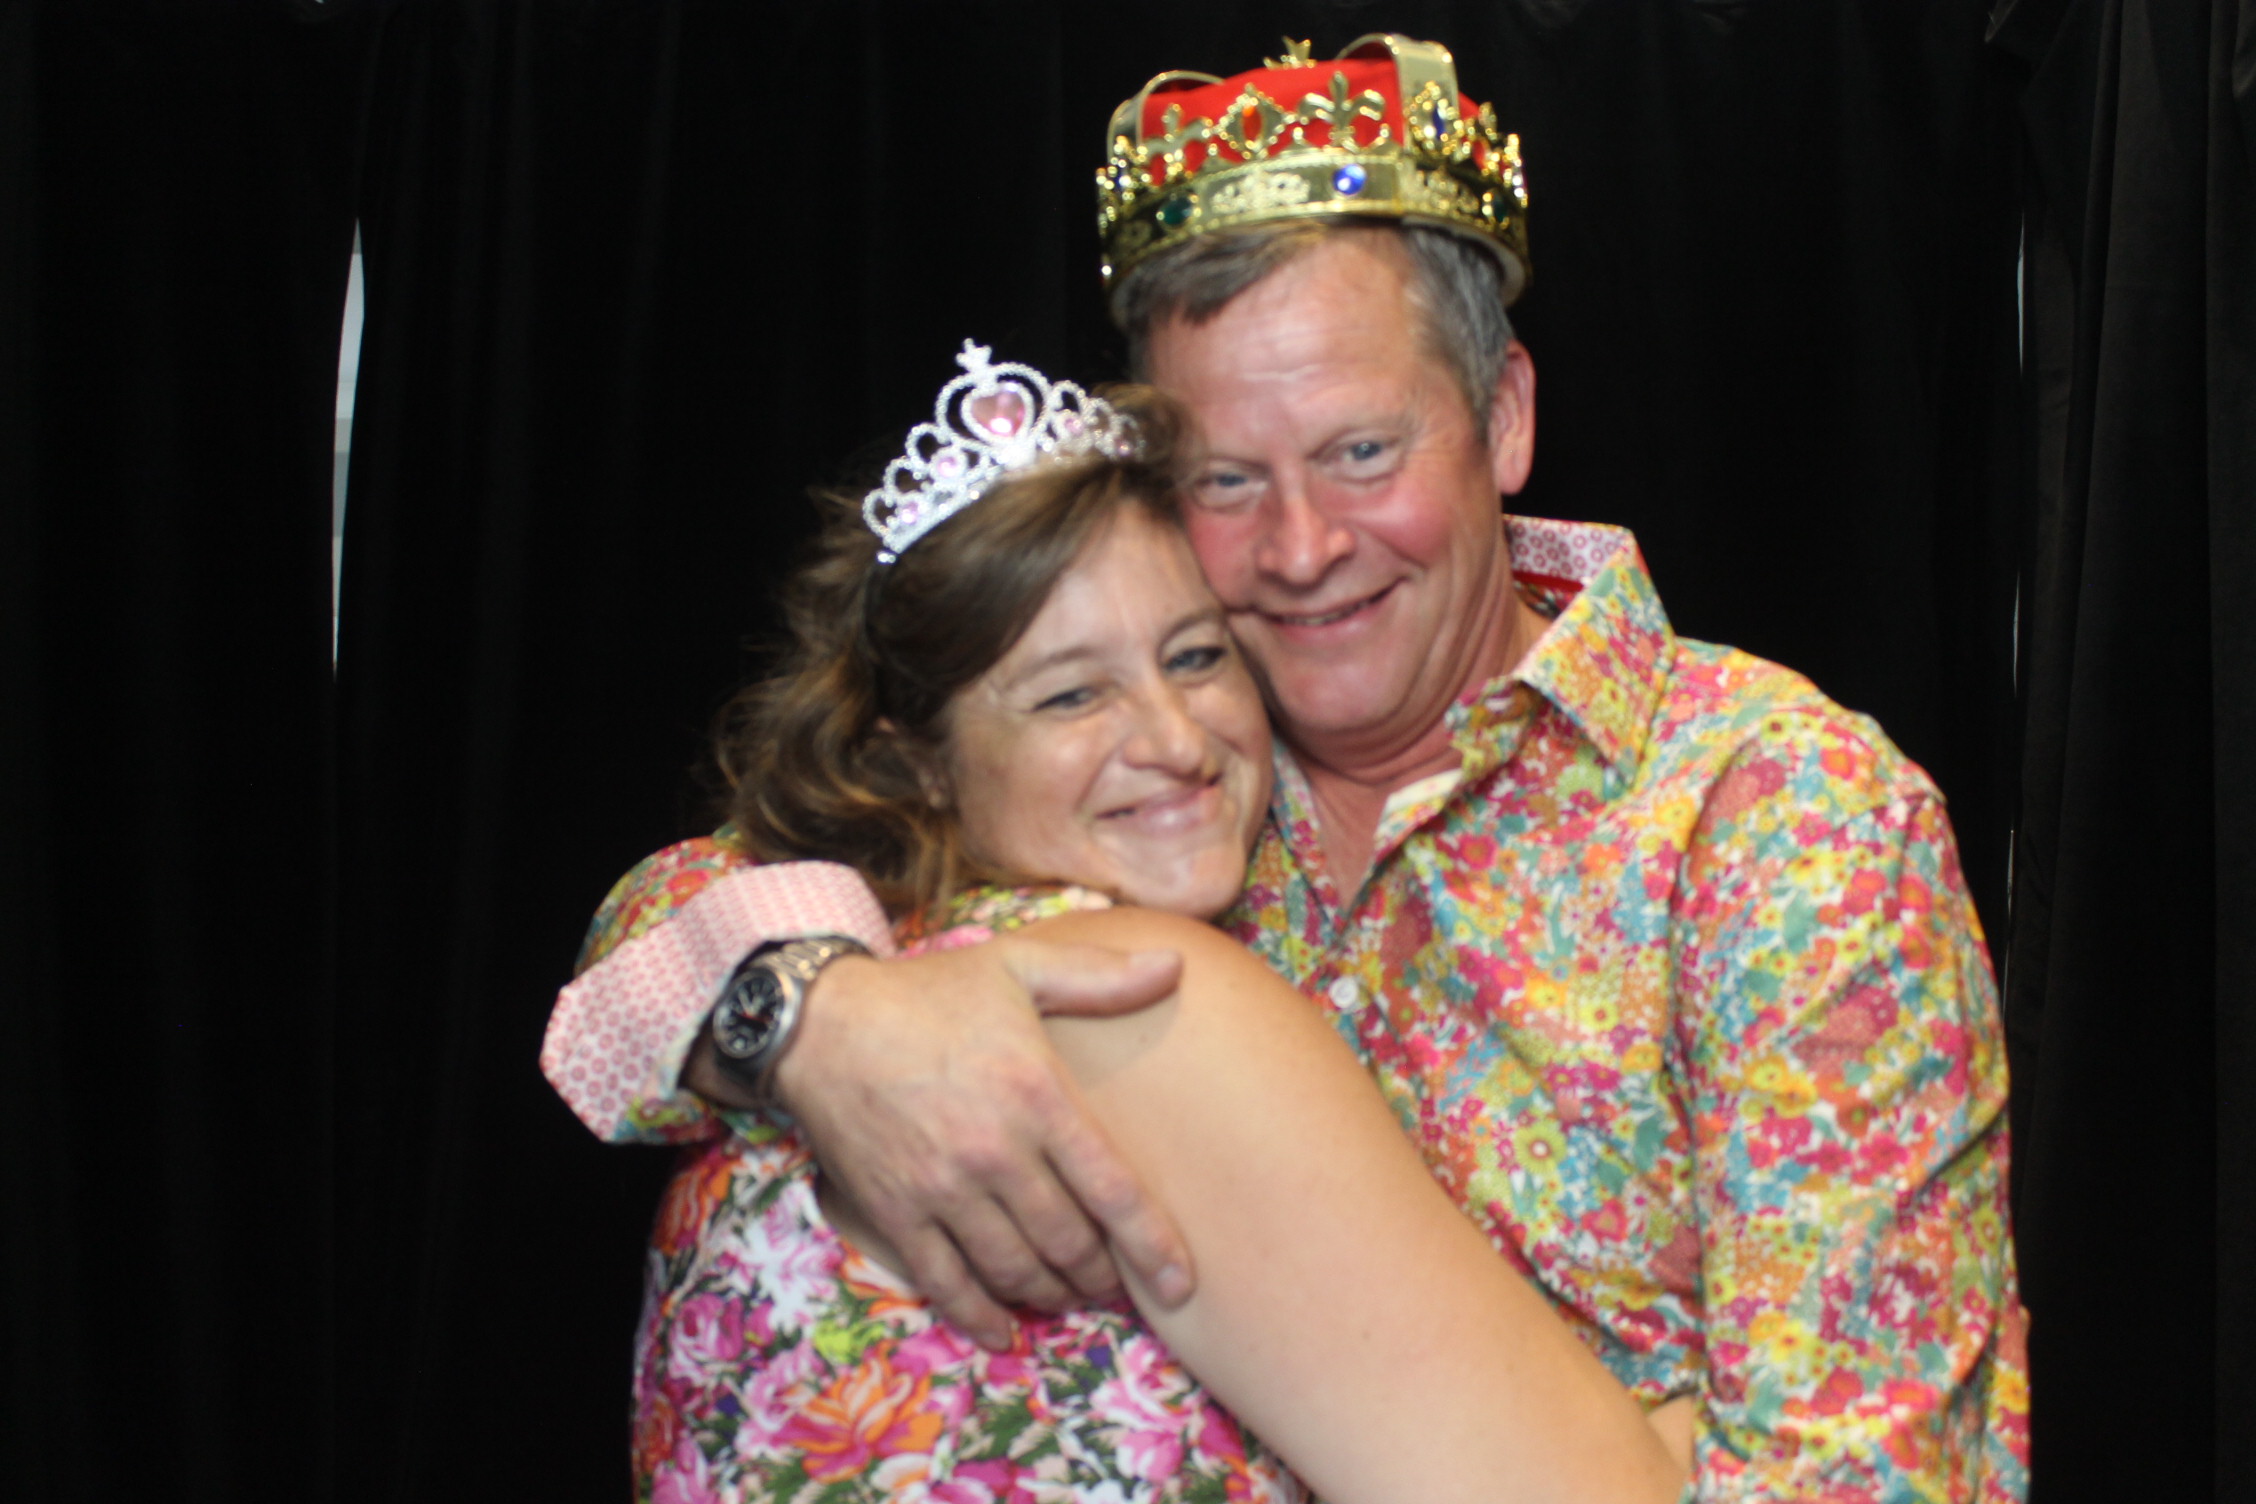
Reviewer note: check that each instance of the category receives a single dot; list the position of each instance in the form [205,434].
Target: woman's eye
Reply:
[1066,699]
[1197,660]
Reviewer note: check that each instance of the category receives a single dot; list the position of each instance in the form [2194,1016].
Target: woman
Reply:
[1012,703]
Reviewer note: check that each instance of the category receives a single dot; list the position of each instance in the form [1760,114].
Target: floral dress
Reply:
[776,1361]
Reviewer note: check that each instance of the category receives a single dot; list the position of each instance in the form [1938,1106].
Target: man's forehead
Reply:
[1330,330]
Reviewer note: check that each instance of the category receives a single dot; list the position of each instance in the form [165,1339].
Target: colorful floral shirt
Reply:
[774,1361]
[1676,983]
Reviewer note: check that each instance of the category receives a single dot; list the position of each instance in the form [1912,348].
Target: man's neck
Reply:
[1351,785]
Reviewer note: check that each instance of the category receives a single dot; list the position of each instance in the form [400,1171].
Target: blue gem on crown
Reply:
[988,423]
[1349,180]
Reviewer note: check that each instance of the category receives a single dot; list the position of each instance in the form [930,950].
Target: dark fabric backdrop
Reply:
[176,194]
[637,273]
[2130,985]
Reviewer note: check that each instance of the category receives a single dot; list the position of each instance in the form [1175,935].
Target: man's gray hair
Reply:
[1456,286]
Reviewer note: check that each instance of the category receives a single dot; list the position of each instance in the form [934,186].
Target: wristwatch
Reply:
[760,1004]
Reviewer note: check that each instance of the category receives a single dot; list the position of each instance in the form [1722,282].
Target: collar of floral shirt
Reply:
[1604,663]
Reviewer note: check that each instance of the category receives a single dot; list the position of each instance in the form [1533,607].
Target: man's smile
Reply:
[1314,619]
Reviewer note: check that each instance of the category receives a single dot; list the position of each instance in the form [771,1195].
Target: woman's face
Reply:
[1120,743]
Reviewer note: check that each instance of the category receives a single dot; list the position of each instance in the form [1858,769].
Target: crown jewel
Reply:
[1381,132]
[989,422]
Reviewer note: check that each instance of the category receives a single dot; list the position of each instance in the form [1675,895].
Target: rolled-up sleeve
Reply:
[1846,1089]
[662,945]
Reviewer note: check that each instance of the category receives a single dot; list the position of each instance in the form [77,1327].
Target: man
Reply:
[1663,959]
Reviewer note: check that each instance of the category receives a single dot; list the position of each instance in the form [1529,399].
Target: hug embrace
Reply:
[1235,969]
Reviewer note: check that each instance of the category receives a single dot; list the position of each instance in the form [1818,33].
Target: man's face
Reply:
[1343,501]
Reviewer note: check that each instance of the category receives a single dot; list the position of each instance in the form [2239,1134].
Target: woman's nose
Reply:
[1165,734]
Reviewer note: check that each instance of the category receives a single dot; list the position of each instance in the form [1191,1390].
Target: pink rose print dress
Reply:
[776,1362]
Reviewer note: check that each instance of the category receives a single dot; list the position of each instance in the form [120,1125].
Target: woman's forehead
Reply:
[1137,583]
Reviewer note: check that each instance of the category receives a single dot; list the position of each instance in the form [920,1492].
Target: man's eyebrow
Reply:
[1397,424]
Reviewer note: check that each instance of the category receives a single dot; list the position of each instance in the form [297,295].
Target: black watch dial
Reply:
[747,1019]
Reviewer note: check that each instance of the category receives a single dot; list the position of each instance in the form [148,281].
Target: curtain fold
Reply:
[2129,978]
[175,231]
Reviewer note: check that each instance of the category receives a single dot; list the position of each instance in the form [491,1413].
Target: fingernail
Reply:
[1172,1285]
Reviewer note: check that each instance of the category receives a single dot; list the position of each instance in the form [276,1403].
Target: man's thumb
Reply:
[1092,981]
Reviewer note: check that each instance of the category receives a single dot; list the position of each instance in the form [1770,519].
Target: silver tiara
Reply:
[988,422]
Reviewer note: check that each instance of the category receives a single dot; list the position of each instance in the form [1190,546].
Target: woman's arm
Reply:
[1346,1310]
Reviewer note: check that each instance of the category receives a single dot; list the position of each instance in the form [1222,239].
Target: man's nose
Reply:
[1302,542]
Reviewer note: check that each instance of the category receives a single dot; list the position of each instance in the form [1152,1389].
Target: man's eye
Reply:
[1222,488]
[1365,454]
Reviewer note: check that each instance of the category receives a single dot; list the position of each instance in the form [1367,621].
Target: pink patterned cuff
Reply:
[621,1032]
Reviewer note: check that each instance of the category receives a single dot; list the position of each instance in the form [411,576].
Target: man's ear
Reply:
[1511,421]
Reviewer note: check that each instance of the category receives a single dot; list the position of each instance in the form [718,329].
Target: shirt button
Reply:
[1344,993]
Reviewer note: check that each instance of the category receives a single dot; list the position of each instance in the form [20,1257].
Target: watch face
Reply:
[747,1016]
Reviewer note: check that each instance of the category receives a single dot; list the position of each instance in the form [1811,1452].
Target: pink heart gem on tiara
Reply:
[949,465]
[1001,414]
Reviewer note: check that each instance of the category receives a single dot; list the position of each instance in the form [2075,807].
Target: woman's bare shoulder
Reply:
[1227,1007]
[1130,928]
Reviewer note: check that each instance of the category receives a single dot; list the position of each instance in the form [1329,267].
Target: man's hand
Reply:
[929,1089]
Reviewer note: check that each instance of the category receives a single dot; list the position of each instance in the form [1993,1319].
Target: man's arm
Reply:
[664,941]
[926,1086]
[1845,1073]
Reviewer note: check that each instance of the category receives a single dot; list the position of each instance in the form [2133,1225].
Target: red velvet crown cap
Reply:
[1202,99]
[1379,133]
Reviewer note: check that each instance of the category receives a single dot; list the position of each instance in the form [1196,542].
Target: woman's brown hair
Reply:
[835,756]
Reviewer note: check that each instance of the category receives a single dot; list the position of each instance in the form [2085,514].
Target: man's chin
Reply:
[1313,710]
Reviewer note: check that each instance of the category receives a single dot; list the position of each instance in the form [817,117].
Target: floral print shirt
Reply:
[1676,983]
[1678,986]
[775,1361]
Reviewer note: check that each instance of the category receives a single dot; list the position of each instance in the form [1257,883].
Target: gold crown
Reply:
[1395,143]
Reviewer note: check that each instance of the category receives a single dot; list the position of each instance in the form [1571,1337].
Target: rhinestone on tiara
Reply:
[989,422]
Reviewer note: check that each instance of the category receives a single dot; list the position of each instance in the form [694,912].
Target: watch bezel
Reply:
[745,1022]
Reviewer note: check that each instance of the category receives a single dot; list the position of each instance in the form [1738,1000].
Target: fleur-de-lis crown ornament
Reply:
[990,422]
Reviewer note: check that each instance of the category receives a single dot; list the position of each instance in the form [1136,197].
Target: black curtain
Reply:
[175,221]
[637,274]
[2132,968]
